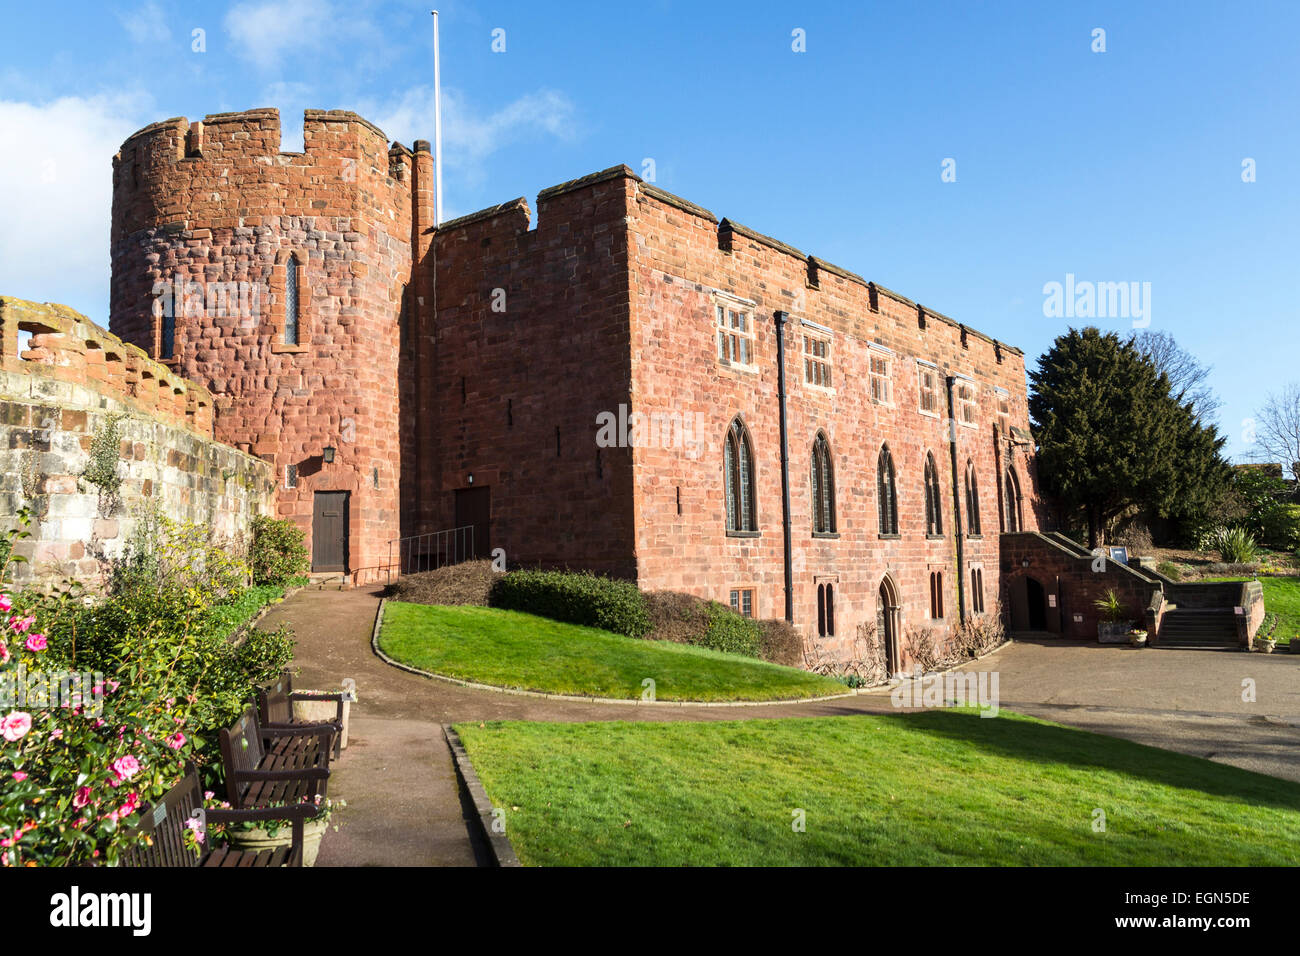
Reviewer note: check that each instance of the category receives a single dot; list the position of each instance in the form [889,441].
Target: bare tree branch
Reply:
[1187,376]
[1277,430]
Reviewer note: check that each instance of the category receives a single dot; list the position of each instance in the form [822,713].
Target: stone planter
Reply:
[1113,632]
[258,839]
[1137,638]
[322,711]
[1264,645]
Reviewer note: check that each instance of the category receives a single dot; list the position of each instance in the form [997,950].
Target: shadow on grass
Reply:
[1023,738]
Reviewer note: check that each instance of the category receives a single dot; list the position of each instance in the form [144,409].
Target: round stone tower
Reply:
[278,281]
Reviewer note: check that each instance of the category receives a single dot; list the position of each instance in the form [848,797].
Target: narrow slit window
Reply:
[291,316]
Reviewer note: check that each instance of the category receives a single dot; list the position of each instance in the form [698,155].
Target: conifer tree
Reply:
[1112,435]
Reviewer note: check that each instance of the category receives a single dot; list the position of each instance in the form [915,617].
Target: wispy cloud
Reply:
[471,134]
[269,33]
[56,190]
[146,24]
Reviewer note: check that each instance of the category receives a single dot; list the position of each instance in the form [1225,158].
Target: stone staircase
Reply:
[1199,628]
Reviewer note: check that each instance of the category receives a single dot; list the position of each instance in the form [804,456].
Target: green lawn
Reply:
[938,787]
[1281,597]
[511,649]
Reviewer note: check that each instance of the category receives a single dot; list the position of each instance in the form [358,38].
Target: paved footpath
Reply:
[404,804]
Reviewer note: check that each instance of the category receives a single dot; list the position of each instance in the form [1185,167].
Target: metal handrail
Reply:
[430,551]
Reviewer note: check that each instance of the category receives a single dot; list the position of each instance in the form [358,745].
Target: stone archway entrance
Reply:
[887,623]
[1029,605]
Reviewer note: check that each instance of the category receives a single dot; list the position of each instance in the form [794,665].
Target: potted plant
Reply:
[1265,644]
[1137,636]
[267,834]
[1113,627]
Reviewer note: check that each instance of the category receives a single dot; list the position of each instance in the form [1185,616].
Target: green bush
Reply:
[1281,527]
[575,597]
[175,597]
[730,632]
[1169,570]
[278,554]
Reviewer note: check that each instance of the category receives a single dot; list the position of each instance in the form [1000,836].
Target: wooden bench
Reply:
[164,824]
[275,709]
[275,767]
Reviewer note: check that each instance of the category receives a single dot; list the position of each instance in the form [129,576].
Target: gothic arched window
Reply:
[972,501]
[738,464]
[886,492]
[933,503]
[823,486]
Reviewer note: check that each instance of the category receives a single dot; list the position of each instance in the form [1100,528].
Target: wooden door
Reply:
[329,531]
[474,509]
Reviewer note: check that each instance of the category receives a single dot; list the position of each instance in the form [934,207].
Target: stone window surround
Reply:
[887,355]
[809,329]
[278,274]
[973,401]
[726,300]
[922,366]
[740,590]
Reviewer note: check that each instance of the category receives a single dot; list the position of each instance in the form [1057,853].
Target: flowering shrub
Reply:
[78,758]
[77,763]
[164,630]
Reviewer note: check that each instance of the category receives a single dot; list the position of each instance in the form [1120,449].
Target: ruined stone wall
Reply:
[63,381]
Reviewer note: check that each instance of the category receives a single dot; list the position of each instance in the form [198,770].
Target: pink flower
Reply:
[15,726]
[4,653]
[36,642]
[176,741]
[195,826]
[81,797]
[56,733]
[20,776]
[5,604]
[21,625]
[126,767]
[113,685]
[131,805]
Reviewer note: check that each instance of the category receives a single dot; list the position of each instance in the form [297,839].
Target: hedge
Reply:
[575,597]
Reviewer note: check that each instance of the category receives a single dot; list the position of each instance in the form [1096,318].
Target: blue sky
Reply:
[1122,166]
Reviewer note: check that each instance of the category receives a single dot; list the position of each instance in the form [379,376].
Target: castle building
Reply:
[627,384]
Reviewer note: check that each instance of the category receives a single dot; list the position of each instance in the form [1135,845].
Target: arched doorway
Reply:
[1029,605]
[887,623]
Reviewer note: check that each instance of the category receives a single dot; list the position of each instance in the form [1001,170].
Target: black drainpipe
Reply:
[956,505]
[785,465]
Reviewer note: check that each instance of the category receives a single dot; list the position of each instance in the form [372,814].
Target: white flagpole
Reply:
[437,127]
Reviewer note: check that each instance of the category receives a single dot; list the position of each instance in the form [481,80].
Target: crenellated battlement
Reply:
[566,202]
[53,343]
[178,174]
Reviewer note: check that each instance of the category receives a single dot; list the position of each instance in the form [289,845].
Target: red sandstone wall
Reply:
[505,383]
[218,202]
[676,262]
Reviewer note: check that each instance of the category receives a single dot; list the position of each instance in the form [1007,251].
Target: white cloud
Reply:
[56,190]
[469,136]
[146,24]
[270,32]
